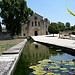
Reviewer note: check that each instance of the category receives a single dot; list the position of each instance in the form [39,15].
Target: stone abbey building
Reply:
[35,26]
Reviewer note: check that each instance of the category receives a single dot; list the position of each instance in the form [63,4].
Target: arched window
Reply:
[32,23]
[35,18]
[38,23]
[35,23]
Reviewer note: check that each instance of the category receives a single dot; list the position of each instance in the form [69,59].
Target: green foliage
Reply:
[30,40]
[14,13]
[73,28]
[67,24]
[61,26]
[68,28]
[0,27]
[57,27]
[53,28]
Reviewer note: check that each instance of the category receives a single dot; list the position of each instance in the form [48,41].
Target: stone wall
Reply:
[30,29]
[4,35]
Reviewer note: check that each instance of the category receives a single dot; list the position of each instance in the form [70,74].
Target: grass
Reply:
[6,44]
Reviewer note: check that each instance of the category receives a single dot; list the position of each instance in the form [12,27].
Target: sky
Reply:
[54,10]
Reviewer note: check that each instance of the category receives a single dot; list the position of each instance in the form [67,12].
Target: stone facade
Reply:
[35,26]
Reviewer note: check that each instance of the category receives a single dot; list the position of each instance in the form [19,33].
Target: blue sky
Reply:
[54,10]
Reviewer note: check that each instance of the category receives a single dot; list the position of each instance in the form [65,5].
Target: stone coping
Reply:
[65,43]
[9,58]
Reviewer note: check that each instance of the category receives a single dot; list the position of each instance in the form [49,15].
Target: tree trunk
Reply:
[59,35]
[53,35]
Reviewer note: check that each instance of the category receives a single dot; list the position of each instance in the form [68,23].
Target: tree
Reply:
[73,28]
[67,24]
[53,28]
[0,27]
[61,26]
[14,13]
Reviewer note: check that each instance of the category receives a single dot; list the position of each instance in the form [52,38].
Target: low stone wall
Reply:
[9,58]
[64,43]
[4,36]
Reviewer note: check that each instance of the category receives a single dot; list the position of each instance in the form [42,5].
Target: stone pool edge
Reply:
[65,49]
[13,66]
[7,56]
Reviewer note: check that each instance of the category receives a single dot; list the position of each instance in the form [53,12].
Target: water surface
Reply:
[33,52]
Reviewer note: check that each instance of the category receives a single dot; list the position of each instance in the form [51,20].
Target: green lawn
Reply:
[6,44]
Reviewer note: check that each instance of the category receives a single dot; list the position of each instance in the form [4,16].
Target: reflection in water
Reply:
[32,53]
[36,52]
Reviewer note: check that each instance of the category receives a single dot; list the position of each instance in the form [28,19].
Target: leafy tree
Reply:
[53,28]
[0,27]
[67,29]
[73,33]
[73,28]
[67,24]
[61,26]
[14,13]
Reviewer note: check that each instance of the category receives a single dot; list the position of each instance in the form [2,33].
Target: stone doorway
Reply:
[36,33]
[46,32]
[24,34]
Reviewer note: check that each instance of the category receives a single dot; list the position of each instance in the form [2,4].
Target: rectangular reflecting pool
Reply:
[34,52]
